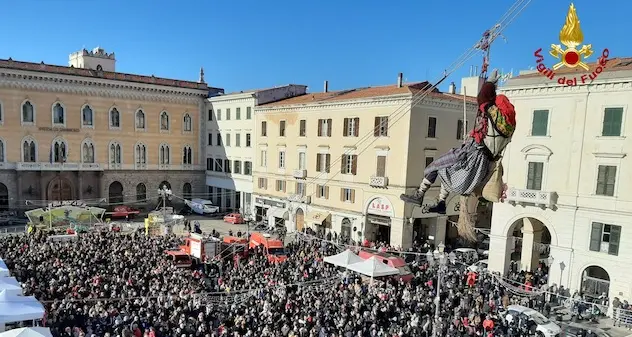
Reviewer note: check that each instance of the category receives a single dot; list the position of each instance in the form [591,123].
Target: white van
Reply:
[202,206]
[535,320]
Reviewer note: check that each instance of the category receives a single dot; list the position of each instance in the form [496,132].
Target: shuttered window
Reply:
[612,119]
[264,129]
[323,162]
[380,129]
[302,130]
[459,130]
[324,128]
[605,238]
[347,195]
[540,123]
[606,178]
[432,127]
[351,127]
[380,170]
[349,164]
[534,176]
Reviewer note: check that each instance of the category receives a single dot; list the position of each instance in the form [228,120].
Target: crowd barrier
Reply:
[622,318]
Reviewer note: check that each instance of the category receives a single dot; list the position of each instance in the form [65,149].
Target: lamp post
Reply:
[442,258]
[165,193]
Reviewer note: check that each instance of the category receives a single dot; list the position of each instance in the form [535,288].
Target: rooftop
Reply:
[365,93]
[614,64]
[252,91]
[63,70]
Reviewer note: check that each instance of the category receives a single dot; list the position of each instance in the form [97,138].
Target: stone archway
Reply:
[345,229]
[115,193]
[59,189]
[529,241]
[4,197]
[299,219]
[595,282]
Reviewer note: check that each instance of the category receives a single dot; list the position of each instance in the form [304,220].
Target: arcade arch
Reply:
[530,244]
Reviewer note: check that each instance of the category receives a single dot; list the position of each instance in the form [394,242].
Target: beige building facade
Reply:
[73,133]
[338,161]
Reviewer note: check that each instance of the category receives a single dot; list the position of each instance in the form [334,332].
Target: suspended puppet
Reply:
[473,170]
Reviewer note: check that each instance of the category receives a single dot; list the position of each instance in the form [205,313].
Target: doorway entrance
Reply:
[300,220]
[595,282]
[59,189]
[115,193]
[4,197]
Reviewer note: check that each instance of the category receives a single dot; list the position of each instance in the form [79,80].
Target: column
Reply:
[530,252]
[401,233]
[440,229]
[500,256]
[20,190]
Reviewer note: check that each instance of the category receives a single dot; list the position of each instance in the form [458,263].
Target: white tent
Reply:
[344,259]
[19,308]
[11,285]
[373,267]
[4,270]
[27,332]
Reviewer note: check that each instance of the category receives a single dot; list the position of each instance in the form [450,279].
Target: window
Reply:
[248,113]
[87,116]
[432,127]
[264,129]
[247,140]
[299,188]
[347,195]
[218,165]
[237,113]
[227,167]
[187,155]
[164,154]
[228,114]
[237,166]
[139,119]
[606,178]
[605,238]
[302,129]
[282,159]
[141,154]
[540,123]
[238,139]
[209,164]
[164,121]
[263,183]
[210,139]
[429,161]
[115,118]
[87,152]
[351,127]
[2,159]
[612,120]
[141,192]
[264,158]
[323,191]
[301,161]
[58,114]
[28,112]
[218,114]
[210,114]
[282,129]
[280,185]
[349,164]
[381,126]
[227,139]
[323,161]
[115,153]
[248,168]
[324,127]
[380,170]
[58,151]
[218,141]
[534,176]
[29,151]
[459,129]
[187,124]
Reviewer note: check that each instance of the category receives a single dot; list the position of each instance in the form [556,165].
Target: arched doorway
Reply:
[4,197]
[186,191]
[115,193]
[345,229]
[595,282]
[300,220]
[530,245]
[59,189]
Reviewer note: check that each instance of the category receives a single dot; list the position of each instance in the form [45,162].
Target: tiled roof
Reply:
[364,93]
[614,64]
[62,70]
[263,89]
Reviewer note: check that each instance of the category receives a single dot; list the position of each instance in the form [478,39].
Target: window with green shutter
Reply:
[606,178]
[605,238]
[612,119]
[540,124]
[534,176]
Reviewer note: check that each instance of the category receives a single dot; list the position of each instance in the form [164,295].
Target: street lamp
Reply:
[443,259]
[164,193]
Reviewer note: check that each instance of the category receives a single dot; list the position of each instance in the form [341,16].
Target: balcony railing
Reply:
[375,181]
[300,174]
[300,198]
[524,196]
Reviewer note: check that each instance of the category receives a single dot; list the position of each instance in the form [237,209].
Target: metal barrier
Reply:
[622,318]
[7,230]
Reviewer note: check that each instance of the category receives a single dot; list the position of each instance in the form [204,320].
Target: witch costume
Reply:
[464,169]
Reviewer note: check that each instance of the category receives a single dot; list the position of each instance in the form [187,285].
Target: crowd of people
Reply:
[114,284]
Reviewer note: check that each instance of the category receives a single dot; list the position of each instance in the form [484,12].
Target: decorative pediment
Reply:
[537,150]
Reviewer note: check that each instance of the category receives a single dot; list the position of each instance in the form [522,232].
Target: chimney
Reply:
[326,86]
[452,88]
[400,78]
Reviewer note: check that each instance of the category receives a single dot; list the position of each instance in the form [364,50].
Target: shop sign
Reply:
[380,206]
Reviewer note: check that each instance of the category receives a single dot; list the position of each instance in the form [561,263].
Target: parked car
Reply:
[466,255]
[234,218]
[122,211]
[536,322]
[478,266]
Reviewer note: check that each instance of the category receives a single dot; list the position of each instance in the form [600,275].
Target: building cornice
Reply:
[556,89]
[36,81]
[233,98]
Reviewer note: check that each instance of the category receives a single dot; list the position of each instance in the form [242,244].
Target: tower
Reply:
[96,59]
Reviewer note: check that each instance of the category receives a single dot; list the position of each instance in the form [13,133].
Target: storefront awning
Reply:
[317,217]
[279,213]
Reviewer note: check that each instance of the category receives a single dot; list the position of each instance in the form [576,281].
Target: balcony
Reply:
[299,174]
[378,181]
[300,198]
[534,197]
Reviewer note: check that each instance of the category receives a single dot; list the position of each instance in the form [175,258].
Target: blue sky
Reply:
[246,44]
